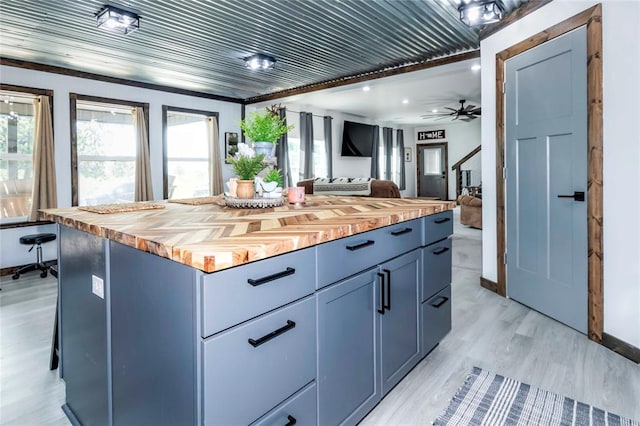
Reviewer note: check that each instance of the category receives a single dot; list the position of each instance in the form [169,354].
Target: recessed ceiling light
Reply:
[475,67]
[366,88]
[434,110]
[405,101]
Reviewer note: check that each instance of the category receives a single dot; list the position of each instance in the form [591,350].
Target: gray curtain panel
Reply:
[43,193]
[375,170]
[215,161]
[402,184]
[143,190]
[328,144]
[387,139]
[306,145]
[282,153]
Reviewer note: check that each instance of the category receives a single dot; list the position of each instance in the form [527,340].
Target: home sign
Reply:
[431,134]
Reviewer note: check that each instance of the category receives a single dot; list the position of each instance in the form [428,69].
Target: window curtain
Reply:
[306,145]
[215,162]
[402,180]
[282,152]
[43,191]
[328,144]
[143,189]
[375,152]
[387,140]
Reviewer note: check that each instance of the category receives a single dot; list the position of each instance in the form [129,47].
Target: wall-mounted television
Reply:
[357,139]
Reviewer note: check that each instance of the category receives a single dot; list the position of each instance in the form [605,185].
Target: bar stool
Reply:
[36,240]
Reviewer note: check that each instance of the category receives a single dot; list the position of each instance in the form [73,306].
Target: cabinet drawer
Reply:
[437,226]
[436,268]
[401,238]
[347,256]
[436,319]
[232,296]
[300,410]
[241,381]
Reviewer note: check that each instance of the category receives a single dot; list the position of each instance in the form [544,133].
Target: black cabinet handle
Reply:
[264,280]
[442,220]
[292,421]
[577,196]
[441,250]
[363,245]
[388,305]
[266,338]
[381,310]
[402,231]
[442,301]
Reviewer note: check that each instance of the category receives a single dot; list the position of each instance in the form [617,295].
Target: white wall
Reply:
[461,139]
[12,253]
[621,151]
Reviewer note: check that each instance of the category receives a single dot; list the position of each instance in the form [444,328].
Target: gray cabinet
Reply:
[299,410]
[436,268]
[436,319]
[251,368]
[399,339]
[348,359]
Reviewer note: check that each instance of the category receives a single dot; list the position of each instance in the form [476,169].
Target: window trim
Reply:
[36,92]
[165,158]
[73,114]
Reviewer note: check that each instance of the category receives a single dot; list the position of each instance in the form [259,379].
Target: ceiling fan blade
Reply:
[469,108]
[451,109]
[466,119]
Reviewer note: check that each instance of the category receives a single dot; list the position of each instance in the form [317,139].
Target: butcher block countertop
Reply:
[212,237]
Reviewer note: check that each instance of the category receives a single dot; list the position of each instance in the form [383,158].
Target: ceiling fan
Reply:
[464,113]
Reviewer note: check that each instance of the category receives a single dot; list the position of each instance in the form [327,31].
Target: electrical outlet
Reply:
[97,286]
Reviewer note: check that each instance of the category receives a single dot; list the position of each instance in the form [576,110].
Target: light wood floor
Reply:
[489,331]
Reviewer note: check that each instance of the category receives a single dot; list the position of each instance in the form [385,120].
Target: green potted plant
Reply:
[246,165]
[264,127]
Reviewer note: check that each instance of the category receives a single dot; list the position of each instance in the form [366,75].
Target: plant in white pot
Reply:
[264,127]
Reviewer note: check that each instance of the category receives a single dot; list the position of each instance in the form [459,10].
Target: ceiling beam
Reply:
[365,76]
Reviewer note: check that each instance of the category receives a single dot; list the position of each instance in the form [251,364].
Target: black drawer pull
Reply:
[381,310]
[264,280]
[292,420]
[402,231]
[441,250]
[442,301]
[266,338]
[388,305]
[362,245]
[442,220]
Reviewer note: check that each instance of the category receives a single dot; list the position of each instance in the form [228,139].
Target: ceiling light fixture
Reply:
[475,67]
[366,88]
[480,12]
[405,101]
[117,19]
[259,62]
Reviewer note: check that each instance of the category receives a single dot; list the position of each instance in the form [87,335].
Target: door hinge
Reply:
[505,258]
[504,87]
[504,173]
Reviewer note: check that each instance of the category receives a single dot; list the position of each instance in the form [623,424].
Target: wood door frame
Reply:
[446,165]
[592,18]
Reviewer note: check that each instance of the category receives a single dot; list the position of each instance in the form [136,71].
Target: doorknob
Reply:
[577,196]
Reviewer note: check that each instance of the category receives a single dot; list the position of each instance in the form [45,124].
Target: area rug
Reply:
[490,399]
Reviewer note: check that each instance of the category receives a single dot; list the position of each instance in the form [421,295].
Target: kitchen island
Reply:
[202,314]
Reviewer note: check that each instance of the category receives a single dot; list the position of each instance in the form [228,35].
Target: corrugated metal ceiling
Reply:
[200,45]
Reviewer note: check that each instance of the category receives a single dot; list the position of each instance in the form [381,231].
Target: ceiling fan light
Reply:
[480,12]
[259,62]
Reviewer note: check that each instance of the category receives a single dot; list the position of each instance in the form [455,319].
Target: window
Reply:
[16,155]
[297,156]
[186,169]
[105,149]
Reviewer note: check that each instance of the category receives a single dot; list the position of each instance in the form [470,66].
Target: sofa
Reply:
[380,188]
[470,211]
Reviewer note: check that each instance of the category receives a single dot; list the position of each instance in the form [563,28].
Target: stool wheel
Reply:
[43,274]
[15,276]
